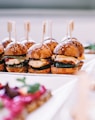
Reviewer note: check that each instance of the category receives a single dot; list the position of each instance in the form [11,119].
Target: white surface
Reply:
[65,112]
[49,80]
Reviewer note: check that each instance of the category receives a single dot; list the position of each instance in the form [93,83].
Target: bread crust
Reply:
[39,52]
[80,65]
[67,49]
[2,67]
[1,49]
[79,46]
[15,48]
[28,44]
[44,71]
[17,69]
[6,42]
[56,70]
[51,44]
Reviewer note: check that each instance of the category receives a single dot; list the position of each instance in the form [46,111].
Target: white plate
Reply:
[60,85]
[50,81]
[65,111]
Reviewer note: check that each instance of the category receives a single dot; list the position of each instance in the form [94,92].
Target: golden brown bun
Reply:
[50,43]
[15,48]
[80,65]
[1,49]
[79,46]
[2,67]
[69,48]
[39,51]
[28,44]
[44,71]
[56,70]
[5,43]
[15,69]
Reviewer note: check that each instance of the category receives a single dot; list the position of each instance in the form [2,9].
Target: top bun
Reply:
[39,51]
[51,43]
[15,48]
[28,43]
[6,41]
[1,49]
[79,46]
[69,47]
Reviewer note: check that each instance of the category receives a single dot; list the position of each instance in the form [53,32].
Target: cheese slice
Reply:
[14,61]
[62,58]
[38,63]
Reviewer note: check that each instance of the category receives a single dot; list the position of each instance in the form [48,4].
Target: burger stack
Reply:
[49,56]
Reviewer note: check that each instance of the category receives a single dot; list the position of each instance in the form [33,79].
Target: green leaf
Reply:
[33,88]
[22,80]
[91,47]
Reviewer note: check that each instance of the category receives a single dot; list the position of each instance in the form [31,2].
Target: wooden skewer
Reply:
[49,29]
[71,27]
[15,33]
[43,30]
[27,29]
[9,27]
[82,105]
[67,32]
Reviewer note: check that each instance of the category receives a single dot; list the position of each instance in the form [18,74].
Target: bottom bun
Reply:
[56,70]
[80,65]
[30,70]
[17,69]
[2,67]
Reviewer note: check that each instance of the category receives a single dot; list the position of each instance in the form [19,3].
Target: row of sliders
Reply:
[48,56]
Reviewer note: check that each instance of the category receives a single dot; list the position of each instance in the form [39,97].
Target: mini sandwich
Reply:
[51,43]
[39,59]
[67,58]
[1,57]
[15,57]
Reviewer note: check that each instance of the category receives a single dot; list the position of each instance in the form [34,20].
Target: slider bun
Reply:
[44,71]
[6,41]
[1,49]
[15,48]
[39,51]
[79,46]
[28,43]
[2,67]
[66,48]
[17,69]
[51,43]
[56,70]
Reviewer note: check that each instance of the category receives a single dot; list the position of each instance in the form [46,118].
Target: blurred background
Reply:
[57,4]
[59,11]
